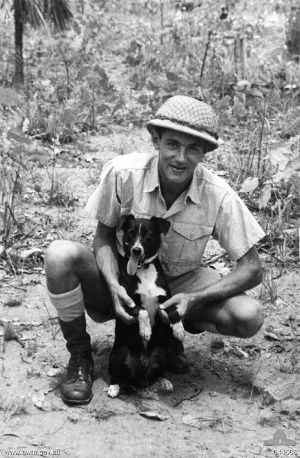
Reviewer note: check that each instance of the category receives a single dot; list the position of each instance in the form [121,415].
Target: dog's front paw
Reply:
[145,333]
[144,325]
[113,391]
[178,330]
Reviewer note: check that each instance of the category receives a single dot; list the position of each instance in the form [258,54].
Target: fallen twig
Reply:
[11,263]
[213,259]
[271,254]
[188,398]
[17,287]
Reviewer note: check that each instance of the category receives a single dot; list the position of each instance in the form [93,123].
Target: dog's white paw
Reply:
[113,391]
[145,325]
[178,330]
[146,333]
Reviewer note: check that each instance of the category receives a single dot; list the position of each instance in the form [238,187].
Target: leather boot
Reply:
[176,359]
[76,388]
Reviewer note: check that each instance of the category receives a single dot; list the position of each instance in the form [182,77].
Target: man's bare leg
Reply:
[74,283]
[240,315]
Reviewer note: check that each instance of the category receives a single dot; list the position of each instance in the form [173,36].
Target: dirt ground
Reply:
[237,395]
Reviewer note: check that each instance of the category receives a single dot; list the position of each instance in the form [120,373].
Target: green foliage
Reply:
[36,12]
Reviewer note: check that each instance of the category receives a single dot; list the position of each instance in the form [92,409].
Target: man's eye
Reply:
[195,151]
[172,145]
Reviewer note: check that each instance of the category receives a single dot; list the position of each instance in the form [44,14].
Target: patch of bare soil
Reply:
[237,395]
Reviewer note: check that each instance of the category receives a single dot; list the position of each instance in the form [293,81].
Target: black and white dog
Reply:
[139,354]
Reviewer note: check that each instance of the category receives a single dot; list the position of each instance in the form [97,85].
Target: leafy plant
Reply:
[35,13]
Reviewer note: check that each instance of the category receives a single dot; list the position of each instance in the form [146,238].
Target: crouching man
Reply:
[169,183]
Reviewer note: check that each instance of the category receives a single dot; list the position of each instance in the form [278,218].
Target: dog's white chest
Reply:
[147,285]
[149,291]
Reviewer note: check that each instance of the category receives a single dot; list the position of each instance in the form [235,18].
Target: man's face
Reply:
[179,154]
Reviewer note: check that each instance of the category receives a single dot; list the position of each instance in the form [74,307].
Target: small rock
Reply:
[282,390]
[290,407]
[53,372]
[163,385]
[268,418]
[217,344]
[239,352]
[271,336]
[38,399]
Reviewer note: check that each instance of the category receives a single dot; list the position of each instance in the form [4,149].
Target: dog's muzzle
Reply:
[135,260]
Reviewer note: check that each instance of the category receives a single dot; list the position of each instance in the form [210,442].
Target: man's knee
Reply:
[247,315]
[60,256]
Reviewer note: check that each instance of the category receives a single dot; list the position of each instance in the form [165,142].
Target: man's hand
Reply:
[106,257]
[181,301]
[121,299]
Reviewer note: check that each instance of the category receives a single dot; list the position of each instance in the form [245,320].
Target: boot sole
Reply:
[76,402]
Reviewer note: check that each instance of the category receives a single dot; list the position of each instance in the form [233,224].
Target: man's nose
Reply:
[182,154]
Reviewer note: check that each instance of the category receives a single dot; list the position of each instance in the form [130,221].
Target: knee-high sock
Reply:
[69,305]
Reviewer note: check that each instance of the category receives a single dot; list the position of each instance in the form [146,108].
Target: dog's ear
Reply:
[162,224]
[125,221]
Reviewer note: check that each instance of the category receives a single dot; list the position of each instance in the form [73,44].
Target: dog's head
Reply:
[141,240]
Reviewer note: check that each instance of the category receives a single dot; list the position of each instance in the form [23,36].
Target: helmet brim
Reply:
[167,124]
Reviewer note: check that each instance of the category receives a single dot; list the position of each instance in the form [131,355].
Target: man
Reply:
[171,184]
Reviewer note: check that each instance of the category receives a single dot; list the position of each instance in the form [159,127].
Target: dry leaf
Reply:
[153,415]
[249,185]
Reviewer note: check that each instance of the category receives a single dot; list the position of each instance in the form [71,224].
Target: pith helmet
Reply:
[187,115]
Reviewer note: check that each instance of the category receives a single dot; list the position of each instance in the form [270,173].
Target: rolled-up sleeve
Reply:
[236,229]
[104,203]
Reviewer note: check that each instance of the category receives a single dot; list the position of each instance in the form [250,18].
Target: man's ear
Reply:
[125,221]
[155,137]
[162,224]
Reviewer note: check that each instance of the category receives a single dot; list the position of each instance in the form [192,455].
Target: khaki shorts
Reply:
[191,282]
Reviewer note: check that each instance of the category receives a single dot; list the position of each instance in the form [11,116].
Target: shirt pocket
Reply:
[188,241]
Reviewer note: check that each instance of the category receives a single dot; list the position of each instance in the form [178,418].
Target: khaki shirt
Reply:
[209,207]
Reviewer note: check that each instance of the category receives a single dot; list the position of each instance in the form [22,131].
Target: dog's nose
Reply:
[136,250]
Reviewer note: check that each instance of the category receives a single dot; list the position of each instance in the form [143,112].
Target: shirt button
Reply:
[192,235]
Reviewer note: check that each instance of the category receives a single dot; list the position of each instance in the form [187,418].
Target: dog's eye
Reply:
[126,243]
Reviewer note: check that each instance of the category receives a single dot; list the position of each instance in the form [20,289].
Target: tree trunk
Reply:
[19,69]
[293,31]
[240,56]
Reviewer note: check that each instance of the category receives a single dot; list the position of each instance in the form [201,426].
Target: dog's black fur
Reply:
[135,360]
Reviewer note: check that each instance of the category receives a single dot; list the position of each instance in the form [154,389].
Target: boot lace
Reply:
[77,366]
